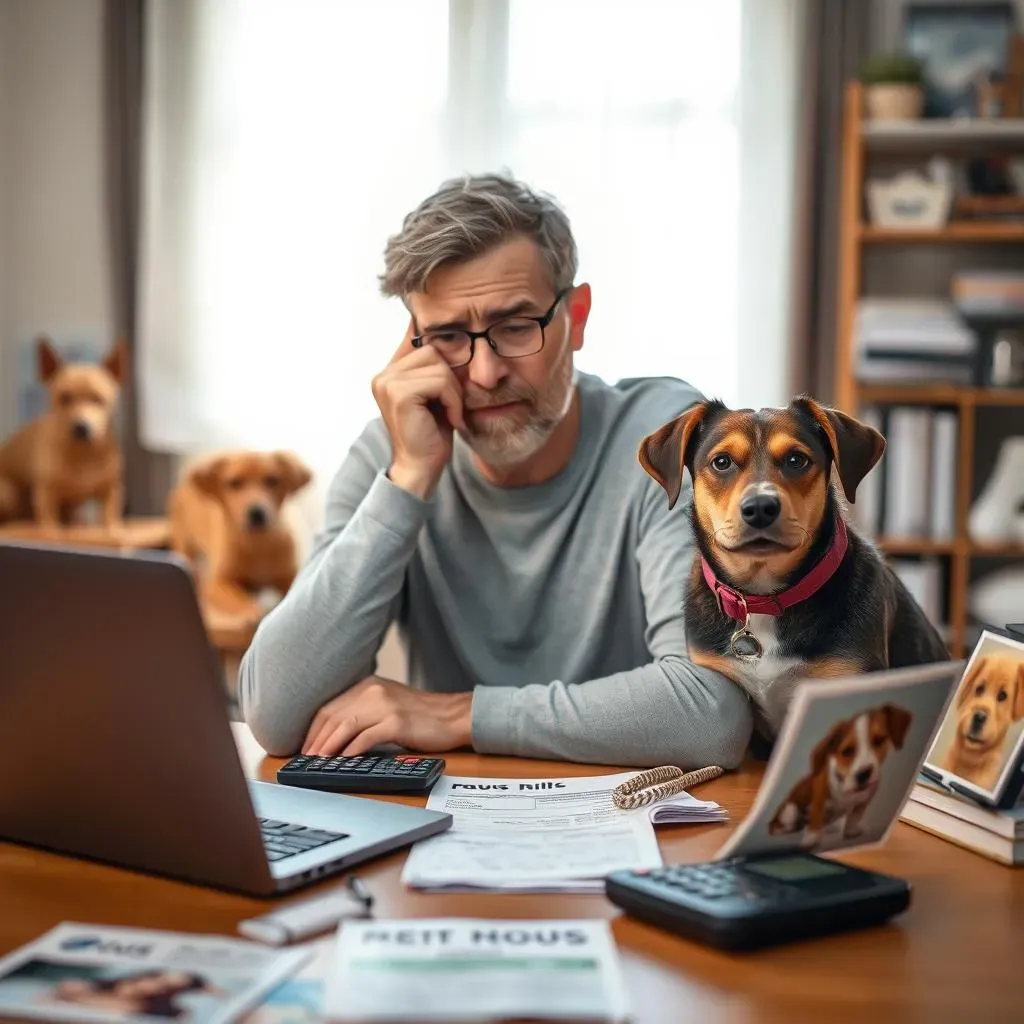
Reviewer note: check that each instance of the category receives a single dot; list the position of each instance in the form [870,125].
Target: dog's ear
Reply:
[294,472]
[898,720]
[977,669]
[1018,697]
[663,454]
[116,362]
[206,475]
[48,362]
[855,446]
[829,745]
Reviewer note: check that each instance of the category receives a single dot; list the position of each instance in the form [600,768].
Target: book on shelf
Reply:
[911,493]
[997,835]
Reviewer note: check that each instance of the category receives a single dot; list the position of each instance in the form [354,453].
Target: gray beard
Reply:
[505,444]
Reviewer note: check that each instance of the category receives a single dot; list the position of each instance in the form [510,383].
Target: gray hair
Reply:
[469,216]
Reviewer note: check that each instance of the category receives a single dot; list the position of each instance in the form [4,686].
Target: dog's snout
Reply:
[257,516]
[863,777]
[761,509]
[80,430]
[978,720]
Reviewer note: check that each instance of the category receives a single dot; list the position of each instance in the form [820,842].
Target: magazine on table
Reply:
[85,972]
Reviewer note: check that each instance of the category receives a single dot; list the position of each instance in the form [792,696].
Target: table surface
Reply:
[953,956]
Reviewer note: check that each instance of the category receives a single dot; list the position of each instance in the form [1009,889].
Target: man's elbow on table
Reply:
[266,713]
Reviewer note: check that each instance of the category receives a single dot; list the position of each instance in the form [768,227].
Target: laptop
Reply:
[117,743]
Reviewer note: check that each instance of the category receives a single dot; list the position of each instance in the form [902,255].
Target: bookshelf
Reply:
[865,143]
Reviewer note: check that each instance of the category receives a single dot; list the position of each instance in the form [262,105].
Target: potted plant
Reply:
[893,87]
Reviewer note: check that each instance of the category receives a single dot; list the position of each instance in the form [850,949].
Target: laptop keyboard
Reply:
[285,839]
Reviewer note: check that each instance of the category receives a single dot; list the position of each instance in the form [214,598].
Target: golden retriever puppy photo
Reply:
[988,703]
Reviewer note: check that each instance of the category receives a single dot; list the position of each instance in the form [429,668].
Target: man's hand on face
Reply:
[420,400]
[376,711]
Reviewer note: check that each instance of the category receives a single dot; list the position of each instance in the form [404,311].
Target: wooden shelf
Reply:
[914,546]
[943,134]
[858,243]
[964,547]
[957,232]
[138,532]
[938,394]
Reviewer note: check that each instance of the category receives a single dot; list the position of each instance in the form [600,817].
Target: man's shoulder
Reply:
[635,406]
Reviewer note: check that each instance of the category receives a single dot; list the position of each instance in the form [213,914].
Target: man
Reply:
[497,511]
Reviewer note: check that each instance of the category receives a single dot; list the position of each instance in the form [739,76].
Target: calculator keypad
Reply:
[363,764]
[368,773]
[714,882]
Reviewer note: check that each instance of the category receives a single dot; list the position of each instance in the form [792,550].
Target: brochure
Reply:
[83,972]
[462,969]
[845,761]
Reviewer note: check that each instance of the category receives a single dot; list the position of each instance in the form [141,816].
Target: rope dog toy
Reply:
[659,783]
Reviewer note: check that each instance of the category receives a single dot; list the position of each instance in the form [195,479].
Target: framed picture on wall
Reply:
[962,45]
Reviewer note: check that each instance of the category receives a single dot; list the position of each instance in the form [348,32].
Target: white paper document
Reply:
[530,835]
[83,972]
[462,969]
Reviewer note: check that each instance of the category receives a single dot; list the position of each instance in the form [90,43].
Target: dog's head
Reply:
[761,479]
[83,396]
[990,699]
[854,750]
[251,486]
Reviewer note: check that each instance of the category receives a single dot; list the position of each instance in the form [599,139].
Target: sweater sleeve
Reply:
[668,711]
[324,636]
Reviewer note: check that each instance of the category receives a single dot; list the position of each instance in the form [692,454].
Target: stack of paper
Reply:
[540,835]
[459,969]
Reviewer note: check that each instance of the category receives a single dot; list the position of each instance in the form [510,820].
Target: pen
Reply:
[933,776]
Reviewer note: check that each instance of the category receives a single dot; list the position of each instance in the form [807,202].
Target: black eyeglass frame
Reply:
[419,340]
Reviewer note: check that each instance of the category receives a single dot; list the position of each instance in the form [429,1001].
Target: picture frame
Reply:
[962,46]
[978,750]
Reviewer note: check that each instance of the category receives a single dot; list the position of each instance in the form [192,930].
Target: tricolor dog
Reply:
[846,773]
[783,587]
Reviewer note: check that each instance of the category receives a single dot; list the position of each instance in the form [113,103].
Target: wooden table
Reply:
[954,956]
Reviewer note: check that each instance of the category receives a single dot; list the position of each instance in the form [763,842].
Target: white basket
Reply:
[909,201]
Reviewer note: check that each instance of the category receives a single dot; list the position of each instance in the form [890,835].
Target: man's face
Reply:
[511,405]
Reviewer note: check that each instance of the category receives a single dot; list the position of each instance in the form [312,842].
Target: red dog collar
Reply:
[737,605]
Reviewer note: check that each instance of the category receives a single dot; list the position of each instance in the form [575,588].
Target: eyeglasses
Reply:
[512,338]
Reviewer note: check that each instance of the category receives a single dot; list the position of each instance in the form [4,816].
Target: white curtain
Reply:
[286,139]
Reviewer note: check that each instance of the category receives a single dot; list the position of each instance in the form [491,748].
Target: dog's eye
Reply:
[270,481]
[848,751]
[1002,695]
[236,483]
[879,741]
[721,463]
[796,460]
[979,689]
[66,399]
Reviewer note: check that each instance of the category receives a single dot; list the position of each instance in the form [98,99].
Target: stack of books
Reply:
[998,835]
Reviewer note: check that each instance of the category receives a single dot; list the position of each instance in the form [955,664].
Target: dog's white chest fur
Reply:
[770,680]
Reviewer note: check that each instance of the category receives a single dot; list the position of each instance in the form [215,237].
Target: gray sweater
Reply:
[559,605]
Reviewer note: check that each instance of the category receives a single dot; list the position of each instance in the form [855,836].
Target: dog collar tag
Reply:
[744,645]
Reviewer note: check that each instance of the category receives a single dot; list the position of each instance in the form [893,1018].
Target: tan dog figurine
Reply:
[69,455]
[226,512]
[990,700]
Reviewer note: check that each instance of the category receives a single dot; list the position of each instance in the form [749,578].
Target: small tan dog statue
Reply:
[69,455]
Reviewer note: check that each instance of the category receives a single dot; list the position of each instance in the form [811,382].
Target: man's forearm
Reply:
[668,712]
[324,636]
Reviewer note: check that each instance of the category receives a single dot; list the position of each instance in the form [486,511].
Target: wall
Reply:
[52,240]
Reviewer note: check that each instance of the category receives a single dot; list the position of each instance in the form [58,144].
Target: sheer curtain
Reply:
[286,139]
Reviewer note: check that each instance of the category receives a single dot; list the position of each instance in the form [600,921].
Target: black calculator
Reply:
[366,773]
[744,903]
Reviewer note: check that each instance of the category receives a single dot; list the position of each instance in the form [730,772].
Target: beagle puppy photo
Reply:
[846,760]
[783,587]
[846,773]
[985,722]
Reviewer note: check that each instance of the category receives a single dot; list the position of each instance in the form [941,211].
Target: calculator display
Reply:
[793,869]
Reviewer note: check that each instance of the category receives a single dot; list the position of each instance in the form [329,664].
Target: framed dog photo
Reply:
[846,760]
[979,748]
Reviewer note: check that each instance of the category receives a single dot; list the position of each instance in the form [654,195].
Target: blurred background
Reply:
[769,196]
